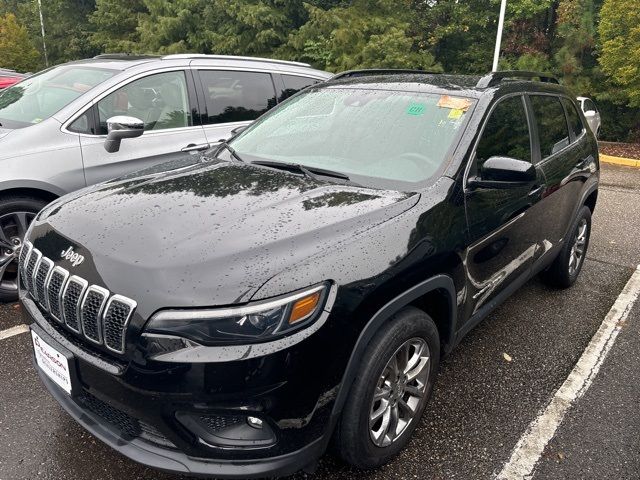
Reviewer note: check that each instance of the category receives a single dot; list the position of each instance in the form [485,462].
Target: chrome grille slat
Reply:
[116,318]
[30,267]
[55,286]
[91,311]
[41,277]
[71,298]
[22,261]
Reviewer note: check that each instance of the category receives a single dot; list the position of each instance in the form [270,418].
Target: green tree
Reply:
[365,34]
[619,30]
[16,50]
[115,24]
[241,27]
[66,25]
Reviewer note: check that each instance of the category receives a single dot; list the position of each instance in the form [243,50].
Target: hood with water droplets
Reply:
[206,234]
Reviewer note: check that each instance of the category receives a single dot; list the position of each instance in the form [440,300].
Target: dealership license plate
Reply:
[52,363]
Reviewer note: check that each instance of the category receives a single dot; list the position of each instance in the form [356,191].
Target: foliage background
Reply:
[593,46]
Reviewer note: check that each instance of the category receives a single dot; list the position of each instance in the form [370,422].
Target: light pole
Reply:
[44,43]
[496,54]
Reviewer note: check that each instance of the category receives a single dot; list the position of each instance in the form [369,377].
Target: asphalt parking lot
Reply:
[483,403]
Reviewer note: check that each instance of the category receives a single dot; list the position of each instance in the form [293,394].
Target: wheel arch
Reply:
[37,191]
[436,296]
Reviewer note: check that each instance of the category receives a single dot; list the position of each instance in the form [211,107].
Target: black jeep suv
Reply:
[230,315]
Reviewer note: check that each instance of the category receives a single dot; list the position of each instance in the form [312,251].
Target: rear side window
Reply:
[236,96]
[506,133]
[552,124]
[293,84]
[575,124]
[590,106]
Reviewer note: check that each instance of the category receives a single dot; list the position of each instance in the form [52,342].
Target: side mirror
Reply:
[590,113]
[504,172]
[121,127]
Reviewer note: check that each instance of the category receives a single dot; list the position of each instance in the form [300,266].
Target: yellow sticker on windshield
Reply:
[455,103]
[455,114]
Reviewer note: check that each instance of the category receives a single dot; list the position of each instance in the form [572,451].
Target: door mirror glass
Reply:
[507,169]
[121,127]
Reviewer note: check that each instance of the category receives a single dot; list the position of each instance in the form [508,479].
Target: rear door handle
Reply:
[536,190]
[192,147]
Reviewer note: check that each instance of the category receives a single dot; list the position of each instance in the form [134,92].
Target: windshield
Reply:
[383,139]
[38,97]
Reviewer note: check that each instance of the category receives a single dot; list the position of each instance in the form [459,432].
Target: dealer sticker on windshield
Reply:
[52,363]
[455,103]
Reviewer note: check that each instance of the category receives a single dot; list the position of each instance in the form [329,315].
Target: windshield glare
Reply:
[38,97]
[379,138]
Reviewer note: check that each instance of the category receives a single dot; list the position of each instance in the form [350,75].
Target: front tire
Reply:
[565,269]
[16,213]
[391,390]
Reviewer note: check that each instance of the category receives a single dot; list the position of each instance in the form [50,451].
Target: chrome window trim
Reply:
[105,293]
[44,301]
[132,305]
[65,277]
[84,284]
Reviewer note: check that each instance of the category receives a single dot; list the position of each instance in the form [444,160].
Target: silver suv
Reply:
[74,125]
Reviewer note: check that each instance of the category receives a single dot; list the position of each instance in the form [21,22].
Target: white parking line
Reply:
[529,448]
[13,331]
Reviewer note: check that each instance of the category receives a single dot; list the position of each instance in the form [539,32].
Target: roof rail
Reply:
[378,71]
[124,56]
[187,56]
[495,78]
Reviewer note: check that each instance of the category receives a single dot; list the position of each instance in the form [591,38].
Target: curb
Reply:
[627,162]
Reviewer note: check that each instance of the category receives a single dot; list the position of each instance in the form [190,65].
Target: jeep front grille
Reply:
[87,310]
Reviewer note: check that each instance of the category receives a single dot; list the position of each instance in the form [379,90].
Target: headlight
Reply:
[262,321]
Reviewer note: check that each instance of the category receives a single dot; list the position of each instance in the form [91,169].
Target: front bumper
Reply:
[177,462]
[135,411]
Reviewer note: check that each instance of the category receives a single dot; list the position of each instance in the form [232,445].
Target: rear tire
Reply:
[16,213]
[405,341]
[565,269]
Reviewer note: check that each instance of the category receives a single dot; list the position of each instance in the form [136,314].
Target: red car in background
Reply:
[9,77]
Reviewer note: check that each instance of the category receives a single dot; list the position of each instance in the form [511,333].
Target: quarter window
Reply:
[506,133]
[236,96]
[159,100]
[552,124]
[575,124]
[293,84]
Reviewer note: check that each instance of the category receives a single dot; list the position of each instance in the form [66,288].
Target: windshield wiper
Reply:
[311,172]
[232,151]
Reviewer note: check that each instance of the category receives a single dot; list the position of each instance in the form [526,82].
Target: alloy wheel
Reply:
[578,248]
[13,227]
[398,393]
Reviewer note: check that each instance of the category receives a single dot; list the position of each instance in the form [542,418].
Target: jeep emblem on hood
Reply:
[75,258]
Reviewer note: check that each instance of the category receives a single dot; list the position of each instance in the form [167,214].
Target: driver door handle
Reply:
[192,147]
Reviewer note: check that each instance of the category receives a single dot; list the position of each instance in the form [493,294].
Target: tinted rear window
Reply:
[236,96]
[552,124]
[575,124]
[293,84]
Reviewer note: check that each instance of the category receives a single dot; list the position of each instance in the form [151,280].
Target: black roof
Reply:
[474,83]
